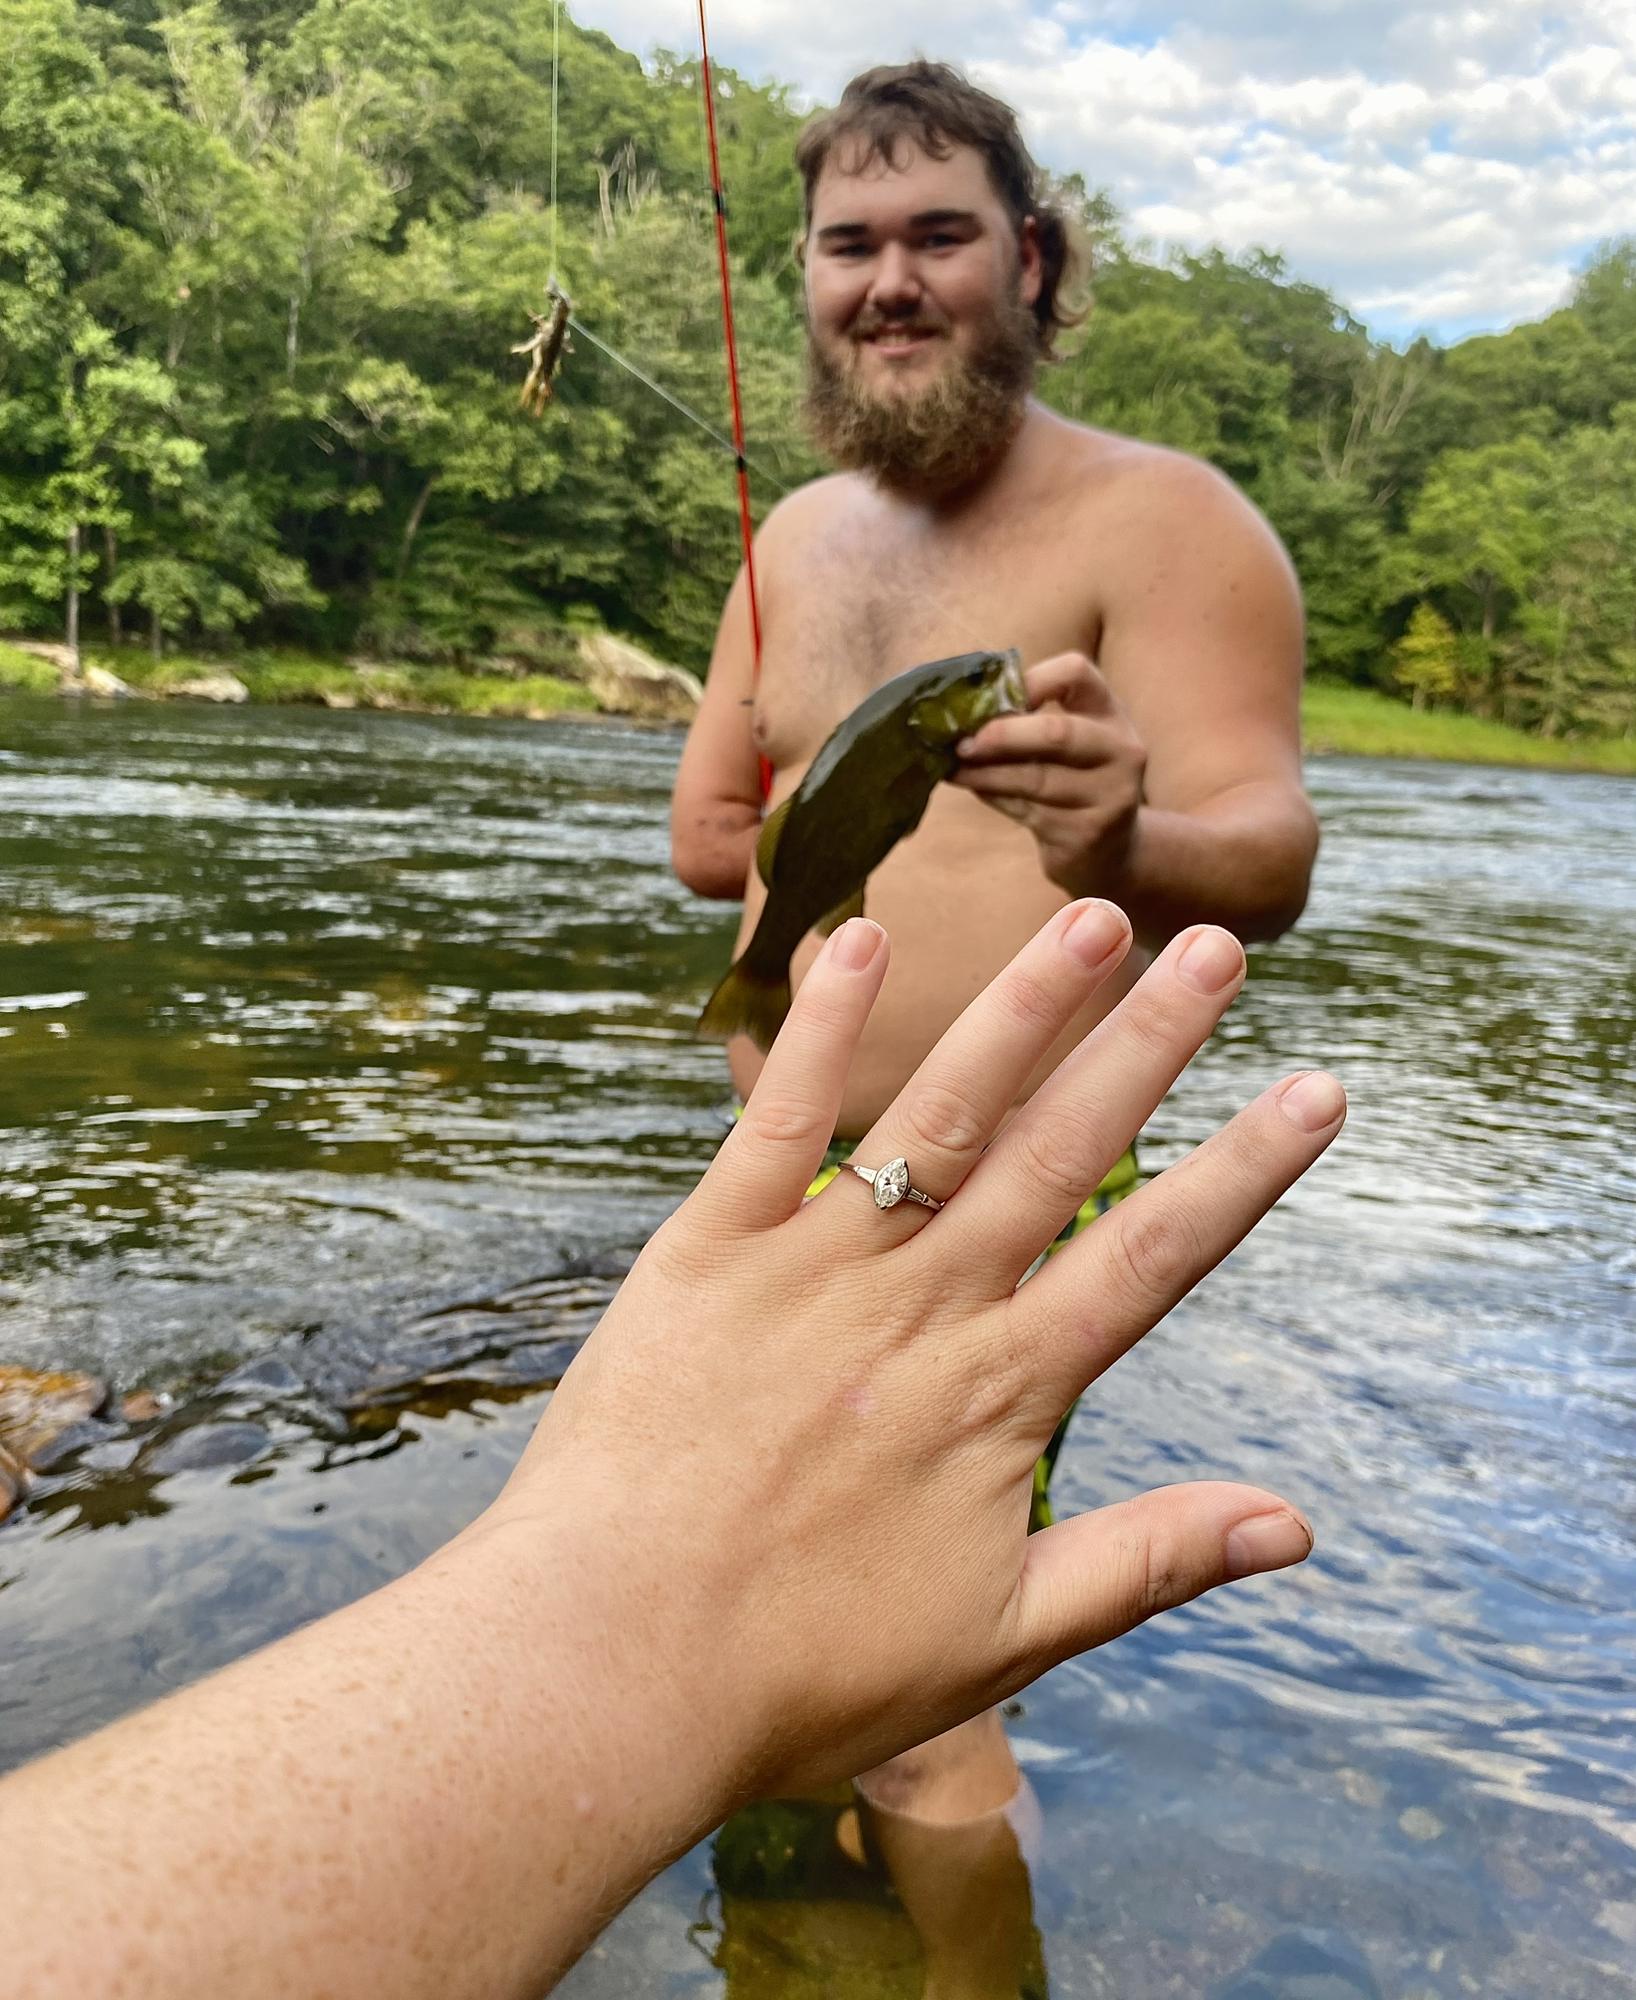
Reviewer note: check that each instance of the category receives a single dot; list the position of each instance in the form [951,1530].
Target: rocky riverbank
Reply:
[583,674]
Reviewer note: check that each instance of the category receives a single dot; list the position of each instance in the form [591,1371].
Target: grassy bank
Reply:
[1361,723]
[302,677]
[25,674]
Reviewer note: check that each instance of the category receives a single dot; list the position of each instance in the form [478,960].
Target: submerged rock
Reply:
[37,1407]
[268,1375]
[64,1444]
[206,1445]
[1305,1964]
[80,1438]
[12,1478]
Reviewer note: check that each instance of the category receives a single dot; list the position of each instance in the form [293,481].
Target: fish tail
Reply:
[744,1004]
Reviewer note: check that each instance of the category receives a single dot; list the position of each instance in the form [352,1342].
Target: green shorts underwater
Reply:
[1119,1182]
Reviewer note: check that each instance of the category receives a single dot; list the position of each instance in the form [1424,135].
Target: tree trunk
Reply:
[110,549]
[292,338]
[417,514]
[157,636]
[72,621]
[1494,692]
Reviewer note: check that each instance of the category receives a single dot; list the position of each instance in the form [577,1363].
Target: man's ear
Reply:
[800,249]
[1030,265]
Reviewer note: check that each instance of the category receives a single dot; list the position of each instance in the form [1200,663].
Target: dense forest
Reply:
[263,264]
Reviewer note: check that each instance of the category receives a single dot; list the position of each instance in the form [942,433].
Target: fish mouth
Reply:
[1013,691]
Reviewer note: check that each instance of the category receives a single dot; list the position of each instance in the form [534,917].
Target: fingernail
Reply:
[855,944]
[1097,931]
[1266,1541]
[1312,1101]
[1213,960]
[965,746]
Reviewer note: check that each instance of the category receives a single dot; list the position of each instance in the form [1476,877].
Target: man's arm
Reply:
[715,810]
[1168,774]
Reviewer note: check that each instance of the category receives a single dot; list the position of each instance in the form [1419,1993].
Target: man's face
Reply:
[921,341]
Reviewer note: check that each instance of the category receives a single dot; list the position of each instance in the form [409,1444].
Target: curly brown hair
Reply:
[932,106]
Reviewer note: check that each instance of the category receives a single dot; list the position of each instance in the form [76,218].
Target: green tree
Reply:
[1426,660]
[1570,663]
[1475,542]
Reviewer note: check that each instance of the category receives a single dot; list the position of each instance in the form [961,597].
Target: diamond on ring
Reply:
[890,1185]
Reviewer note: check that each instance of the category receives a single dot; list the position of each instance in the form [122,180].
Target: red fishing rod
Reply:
[742,464]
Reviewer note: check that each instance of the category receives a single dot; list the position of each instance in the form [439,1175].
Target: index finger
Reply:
[1064,693]
[1071,679]
[766,1163]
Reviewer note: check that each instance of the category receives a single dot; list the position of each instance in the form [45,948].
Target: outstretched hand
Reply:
[772,1530]
[807,1429]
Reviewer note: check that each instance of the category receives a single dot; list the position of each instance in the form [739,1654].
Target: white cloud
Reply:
[1438,166]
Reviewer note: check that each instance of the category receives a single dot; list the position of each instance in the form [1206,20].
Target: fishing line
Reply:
[556,71]
[675,402]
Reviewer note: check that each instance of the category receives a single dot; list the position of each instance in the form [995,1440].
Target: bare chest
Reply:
[866,604]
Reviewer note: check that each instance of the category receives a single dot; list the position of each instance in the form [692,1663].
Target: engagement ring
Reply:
[890,1184]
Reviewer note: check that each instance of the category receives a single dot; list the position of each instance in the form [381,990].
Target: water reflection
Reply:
[344,1063]
[835,1896]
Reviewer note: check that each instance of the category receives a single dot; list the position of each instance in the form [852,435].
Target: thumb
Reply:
[1087,1580]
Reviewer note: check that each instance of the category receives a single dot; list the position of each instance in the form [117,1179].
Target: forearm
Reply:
[1242,860]
[443,1790]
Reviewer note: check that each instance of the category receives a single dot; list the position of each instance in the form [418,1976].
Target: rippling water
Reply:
[345,1060]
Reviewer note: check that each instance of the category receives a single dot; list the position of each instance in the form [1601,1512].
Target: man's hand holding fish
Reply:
[1070,769]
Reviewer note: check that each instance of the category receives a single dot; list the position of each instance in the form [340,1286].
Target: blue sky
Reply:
[1441,167]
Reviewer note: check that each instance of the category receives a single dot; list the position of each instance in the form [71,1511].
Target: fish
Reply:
[867,788]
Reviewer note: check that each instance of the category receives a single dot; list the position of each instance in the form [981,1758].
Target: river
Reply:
[345,1061]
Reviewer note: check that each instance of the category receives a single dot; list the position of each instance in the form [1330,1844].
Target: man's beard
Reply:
[936,440]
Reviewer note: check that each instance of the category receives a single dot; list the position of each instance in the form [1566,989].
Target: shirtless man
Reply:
[1156,613]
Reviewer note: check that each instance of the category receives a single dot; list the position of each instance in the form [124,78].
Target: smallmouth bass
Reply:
[867,788]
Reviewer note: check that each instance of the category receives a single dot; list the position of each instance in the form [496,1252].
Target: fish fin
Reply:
[926,729]
[767,843]
[842,913]
[745,1005]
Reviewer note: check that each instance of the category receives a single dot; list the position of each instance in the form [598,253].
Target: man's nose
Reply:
[895,285]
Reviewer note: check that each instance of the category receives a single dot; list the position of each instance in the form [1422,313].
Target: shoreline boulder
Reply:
[99,681]
[217,684]
[626,681]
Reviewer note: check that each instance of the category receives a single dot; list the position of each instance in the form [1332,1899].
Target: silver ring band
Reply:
[890,1185]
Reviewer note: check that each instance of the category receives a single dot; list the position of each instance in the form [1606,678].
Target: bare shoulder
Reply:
[812,511]
[1158,505]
